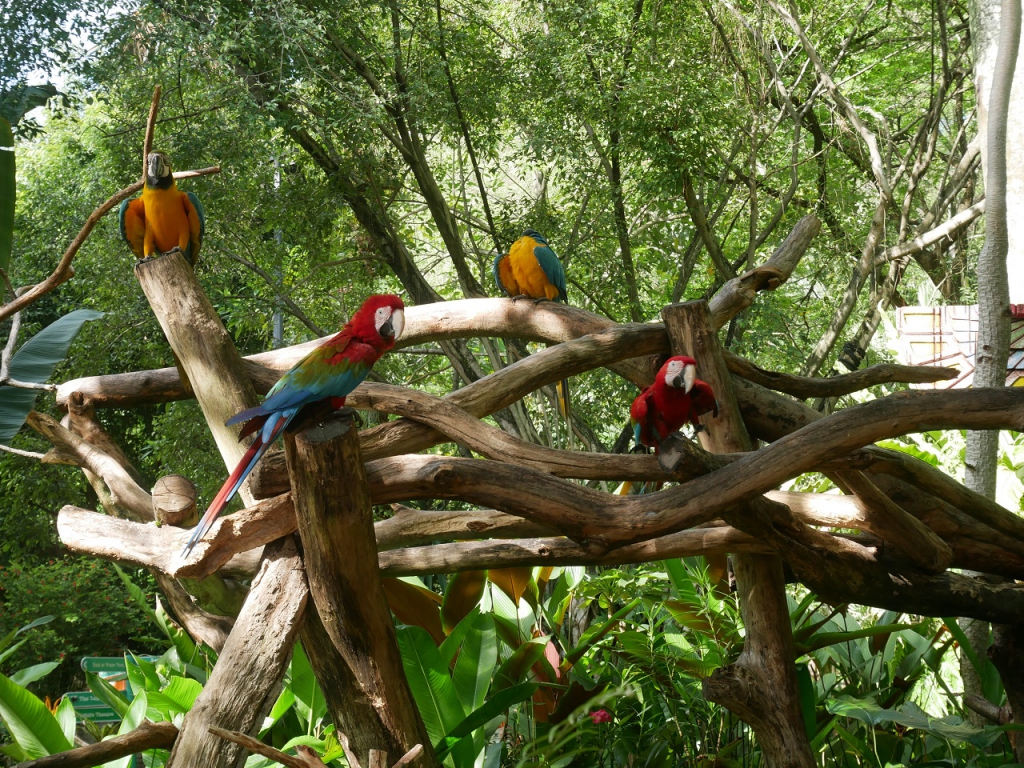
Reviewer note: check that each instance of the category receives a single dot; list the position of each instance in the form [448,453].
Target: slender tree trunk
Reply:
[992,349]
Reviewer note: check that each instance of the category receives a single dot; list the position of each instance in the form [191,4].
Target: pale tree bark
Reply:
[994,84]
[985,18]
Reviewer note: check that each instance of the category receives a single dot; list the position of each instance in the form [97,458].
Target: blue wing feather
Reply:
[120,220]
[497,273]
[552,268]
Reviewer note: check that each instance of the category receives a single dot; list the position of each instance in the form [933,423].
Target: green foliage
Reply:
[34,363]
[93,614]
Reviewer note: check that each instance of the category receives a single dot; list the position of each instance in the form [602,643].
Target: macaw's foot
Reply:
[146,260]
[175,249]
[351,413]
[520,296]
[698,428]
[640,448]
[538,301]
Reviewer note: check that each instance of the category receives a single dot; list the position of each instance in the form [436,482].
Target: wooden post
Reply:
[761,686]
[246,679]
[203,348]
[174,501]
[349,635]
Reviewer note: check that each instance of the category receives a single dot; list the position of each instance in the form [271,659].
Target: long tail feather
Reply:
[227,491]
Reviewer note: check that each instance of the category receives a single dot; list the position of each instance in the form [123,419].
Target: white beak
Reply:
[689,376]
[398,322]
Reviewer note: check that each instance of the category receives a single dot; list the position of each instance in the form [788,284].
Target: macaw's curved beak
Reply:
[155,165]
[686,379]
[394,325]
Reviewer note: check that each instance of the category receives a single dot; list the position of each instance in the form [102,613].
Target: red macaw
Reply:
[677,396]
[332,370]
[164,217]
[531,270]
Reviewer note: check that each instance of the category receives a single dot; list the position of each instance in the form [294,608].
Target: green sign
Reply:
[89,706]
[101,664]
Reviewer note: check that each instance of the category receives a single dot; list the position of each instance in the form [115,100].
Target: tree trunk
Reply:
[350,638]
[994,82]
[761,686]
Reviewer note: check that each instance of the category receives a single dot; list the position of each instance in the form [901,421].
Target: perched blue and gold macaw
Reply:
[531,270]
[329,372]
[163,217]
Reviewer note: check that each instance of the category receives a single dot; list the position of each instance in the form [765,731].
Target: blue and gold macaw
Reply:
[163,218]
[531,270]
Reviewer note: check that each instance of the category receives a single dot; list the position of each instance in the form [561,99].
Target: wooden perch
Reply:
[147,736]
[202,346]
[174,501]
[895,525]
[409,527]
[246,678]
[761,685]
[478,555]
[597,520]
[739,292]
[805,387]
[125,491]
[349,633]
[307,757]
[483,397]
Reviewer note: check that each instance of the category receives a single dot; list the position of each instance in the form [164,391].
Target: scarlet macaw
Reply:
[332,370]
[531,270]
[677,396]
[163,217]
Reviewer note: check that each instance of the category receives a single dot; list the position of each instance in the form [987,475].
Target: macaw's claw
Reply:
[146,260]
[700,428]
[520,296]
[640,448]
[538,301]
[351,413]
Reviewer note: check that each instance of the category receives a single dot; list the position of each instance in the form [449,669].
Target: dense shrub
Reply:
[95,616]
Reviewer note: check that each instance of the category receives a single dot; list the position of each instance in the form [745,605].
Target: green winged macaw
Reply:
[531,270]
[163,217]
[331,371]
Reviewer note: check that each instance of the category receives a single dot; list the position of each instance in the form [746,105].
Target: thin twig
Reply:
[147,145]
[63,271]
[409,756]
[19,452]
[254,745]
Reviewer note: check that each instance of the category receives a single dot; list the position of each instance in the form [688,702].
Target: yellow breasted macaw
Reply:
[531,270]
[164,217]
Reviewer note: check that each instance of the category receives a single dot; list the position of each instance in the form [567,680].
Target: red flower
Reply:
[599,716]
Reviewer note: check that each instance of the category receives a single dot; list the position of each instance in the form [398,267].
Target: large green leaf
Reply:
[7,195]
[35,363]
[29,722]
[432,688]
[477,657]
[107,693]
[309,699]
[132,720]
[482,715]
[9,637]
[66,718]
[31,674]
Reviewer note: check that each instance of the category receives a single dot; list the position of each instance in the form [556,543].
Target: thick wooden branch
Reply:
[739,292]
[476,555]
[147,736]
[125,491]
[597,520]
[409,527]
[202,346]
[896,526]
[805,387]
[350,638]
[482,397]
[246,680]
[761,685]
